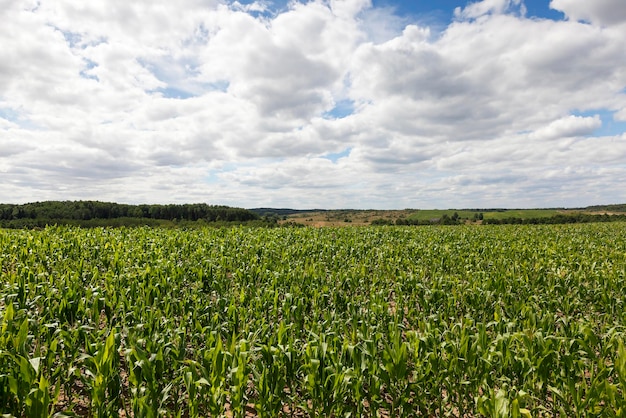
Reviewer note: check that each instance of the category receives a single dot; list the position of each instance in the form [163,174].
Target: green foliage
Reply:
[429,215]
[381,221]
[502,321]
[557,219]
[96,214]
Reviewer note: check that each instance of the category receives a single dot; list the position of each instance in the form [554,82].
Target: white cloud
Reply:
[481,8]
[621,115]
[233,104]
[570,126]
[601,12]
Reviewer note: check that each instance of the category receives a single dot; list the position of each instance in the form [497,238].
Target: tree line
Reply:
[558,219]
[95,213]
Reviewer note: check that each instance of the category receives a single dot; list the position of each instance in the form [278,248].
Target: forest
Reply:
[95,213]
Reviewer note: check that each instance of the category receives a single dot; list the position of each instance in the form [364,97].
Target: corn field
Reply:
[467,321]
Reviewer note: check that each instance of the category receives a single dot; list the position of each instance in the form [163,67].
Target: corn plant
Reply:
[103,370]
[358,321]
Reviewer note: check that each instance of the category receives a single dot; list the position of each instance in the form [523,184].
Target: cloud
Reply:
[12,148]
[621,115]
[242,104]
[481,8]
[601,12]
[570,126]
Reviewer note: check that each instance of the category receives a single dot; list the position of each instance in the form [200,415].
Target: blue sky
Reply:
[323,103]
[444,9]
[439,10]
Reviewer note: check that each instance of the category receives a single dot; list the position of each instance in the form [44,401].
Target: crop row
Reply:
[393,322]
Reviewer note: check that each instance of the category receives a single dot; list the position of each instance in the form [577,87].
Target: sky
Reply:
[363,104]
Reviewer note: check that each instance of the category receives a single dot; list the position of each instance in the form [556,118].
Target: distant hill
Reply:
[350,217]
[607,208]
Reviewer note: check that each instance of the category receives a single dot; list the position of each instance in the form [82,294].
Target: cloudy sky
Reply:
[314,104]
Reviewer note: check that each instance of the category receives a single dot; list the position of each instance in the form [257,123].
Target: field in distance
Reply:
[353,217]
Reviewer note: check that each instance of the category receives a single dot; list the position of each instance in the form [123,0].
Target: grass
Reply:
[424,215]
